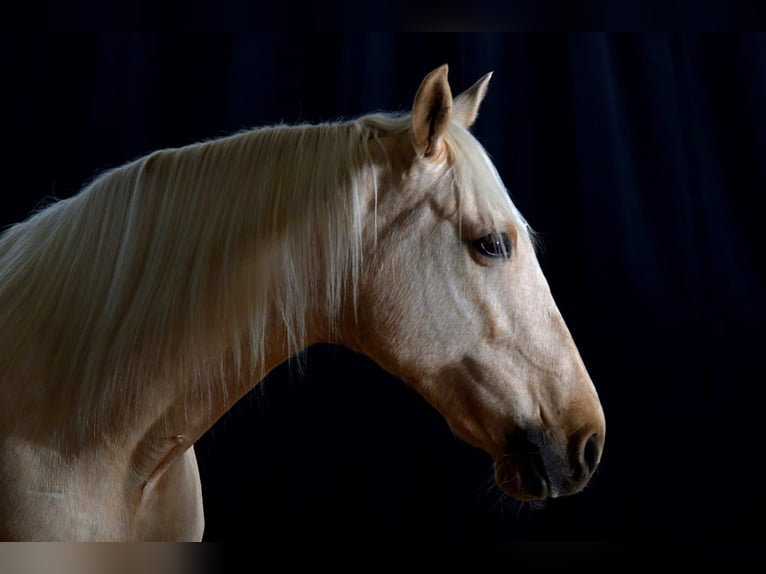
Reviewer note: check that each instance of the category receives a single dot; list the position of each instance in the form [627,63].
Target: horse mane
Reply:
[139,276]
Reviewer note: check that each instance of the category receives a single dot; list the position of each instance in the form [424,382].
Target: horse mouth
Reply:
[524,478]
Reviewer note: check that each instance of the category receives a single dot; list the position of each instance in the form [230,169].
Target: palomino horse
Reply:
[136,313]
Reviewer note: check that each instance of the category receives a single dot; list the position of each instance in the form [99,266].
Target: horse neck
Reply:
[167,295]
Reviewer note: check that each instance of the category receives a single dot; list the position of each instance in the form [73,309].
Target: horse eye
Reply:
[494,245]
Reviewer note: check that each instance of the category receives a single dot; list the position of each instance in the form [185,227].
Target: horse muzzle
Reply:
[536,466]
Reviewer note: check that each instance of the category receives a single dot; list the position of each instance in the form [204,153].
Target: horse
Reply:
[138,311]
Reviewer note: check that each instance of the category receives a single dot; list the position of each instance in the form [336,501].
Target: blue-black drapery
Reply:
[638,158]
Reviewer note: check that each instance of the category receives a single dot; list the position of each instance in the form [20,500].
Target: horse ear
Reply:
[431,112]
[467,104]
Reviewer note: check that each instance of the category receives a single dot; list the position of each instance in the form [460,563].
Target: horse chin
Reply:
[524,480]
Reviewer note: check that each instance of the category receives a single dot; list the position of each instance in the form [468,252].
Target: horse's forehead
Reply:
[460,184]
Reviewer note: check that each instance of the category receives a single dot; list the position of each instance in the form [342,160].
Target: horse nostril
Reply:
[590,455]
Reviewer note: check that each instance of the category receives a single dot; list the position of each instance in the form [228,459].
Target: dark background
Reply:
[639,160]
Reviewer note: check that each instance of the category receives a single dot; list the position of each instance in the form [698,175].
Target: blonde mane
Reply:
[149,272]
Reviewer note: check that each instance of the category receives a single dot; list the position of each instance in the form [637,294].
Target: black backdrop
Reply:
[638,159]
